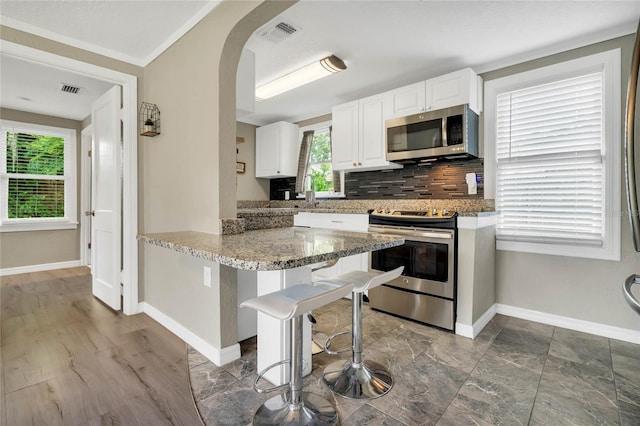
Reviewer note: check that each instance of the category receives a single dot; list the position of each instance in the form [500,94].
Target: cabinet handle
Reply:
[278,172]
[355,164]
[359,164]
[337,221]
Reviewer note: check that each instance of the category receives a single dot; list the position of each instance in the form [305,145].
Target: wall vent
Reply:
[68,88]
[279,32]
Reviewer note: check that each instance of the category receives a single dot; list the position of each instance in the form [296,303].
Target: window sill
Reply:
[37,226]
[600,253]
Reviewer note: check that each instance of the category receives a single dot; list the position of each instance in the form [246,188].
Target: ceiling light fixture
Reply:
[314,71]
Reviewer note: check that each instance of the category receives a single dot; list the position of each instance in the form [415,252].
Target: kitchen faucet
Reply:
[310,195]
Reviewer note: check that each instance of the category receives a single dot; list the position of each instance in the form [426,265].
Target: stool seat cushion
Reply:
[361,280]
[292,301]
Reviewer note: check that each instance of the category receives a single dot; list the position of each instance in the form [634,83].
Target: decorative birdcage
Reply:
[149,118]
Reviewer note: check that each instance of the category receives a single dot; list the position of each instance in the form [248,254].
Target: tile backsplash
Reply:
[438,180]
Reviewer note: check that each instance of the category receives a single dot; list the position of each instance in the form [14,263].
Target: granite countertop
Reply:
[275,211]
[272,249]
[285,211]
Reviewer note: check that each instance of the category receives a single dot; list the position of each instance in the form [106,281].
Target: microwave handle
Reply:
[443,131]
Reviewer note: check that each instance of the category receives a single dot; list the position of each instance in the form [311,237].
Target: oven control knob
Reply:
[445,212]
[434,212]
[387,211]
[405,280]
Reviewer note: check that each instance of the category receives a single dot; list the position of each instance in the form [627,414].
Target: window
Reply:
[319,167]
[37,176]
[555,136]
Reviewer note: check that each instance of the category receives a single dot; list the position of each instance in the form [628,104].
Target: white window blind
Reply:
[550,162]
[37,177]
[35,173]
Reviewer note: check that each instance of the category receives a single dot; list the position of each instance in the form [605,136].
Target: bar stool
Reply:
[357,378]
[294,407]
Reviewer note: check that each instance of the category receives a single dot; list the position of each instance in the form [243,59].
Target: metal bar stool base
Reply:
[314,411]
[366,380]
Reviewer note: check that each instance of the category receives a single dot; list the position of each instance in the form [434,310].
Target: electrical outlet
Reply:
[207,276]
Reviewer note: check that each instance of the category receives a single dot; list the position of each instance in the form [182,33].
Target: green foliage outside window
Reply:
[30,154]
[320,162]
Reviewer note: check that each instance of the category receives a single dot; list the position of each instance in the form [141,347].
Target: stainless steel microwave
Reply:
[449,132]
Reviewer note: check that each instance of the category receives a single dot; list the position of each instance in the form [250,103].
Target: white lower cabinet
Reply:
[343,222]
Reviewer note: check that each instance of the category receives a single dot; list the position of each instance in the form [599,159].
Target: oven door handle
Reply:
[440,235]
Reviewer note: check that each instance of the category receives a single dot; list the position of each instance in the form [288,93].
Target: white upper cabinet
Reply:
[373,110]
[277,148]
[357,139]
[344,136]
[407,100]
[456,88]
[453,89]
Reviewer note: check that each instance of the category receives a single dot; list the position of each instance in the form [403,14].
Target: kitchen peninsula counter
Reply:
[265,261]
[272,249]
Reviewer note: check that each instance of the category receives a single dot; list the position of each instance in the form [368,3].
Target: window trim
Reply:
[70,172]
[324,194]
[609,63]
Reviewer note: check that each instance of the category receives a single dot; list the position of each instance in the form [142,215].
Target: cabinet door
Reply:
[344,136]
[456,88]
[289,149]
[408,100]
[373,111]
[268,150]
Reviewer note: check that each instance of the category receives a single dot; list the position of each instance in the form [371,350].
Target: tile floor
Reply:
[515,372]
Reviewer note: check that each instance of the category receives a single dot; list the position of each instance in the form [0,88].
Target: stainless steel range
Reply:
[427,289]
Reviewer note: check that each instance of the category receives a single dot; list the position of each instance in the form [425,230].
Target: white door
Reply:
[85,198]
[106,191]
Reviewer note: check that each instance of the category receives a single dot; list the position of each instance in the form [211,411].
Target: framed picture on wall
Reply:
[240,167]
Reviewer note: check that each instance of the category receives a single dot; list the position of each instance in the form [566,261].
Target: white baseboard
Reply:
[215,355]
[618,333]
[39,268]
[471,331]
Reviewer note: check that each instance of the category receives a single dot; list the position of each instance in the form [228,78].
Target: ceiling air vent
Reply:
[279,32]
[68,88]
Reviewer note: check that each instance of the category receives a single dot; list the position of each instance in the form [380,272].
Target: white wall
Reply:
[249,187]
[29,248]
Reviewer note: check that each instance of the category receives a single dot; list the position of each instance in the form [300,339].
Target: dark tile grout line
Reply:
[546,358]
[615,384]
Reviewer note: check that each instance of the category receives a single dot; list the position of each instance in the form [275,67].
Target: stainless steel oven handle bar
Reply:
[416,234]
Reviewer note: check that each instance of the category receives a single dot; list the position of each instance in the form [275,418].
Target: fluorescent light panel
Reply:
[307,74]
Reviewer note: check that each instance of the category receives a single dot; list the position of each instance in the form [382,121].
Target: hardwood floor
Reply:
[68,359]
